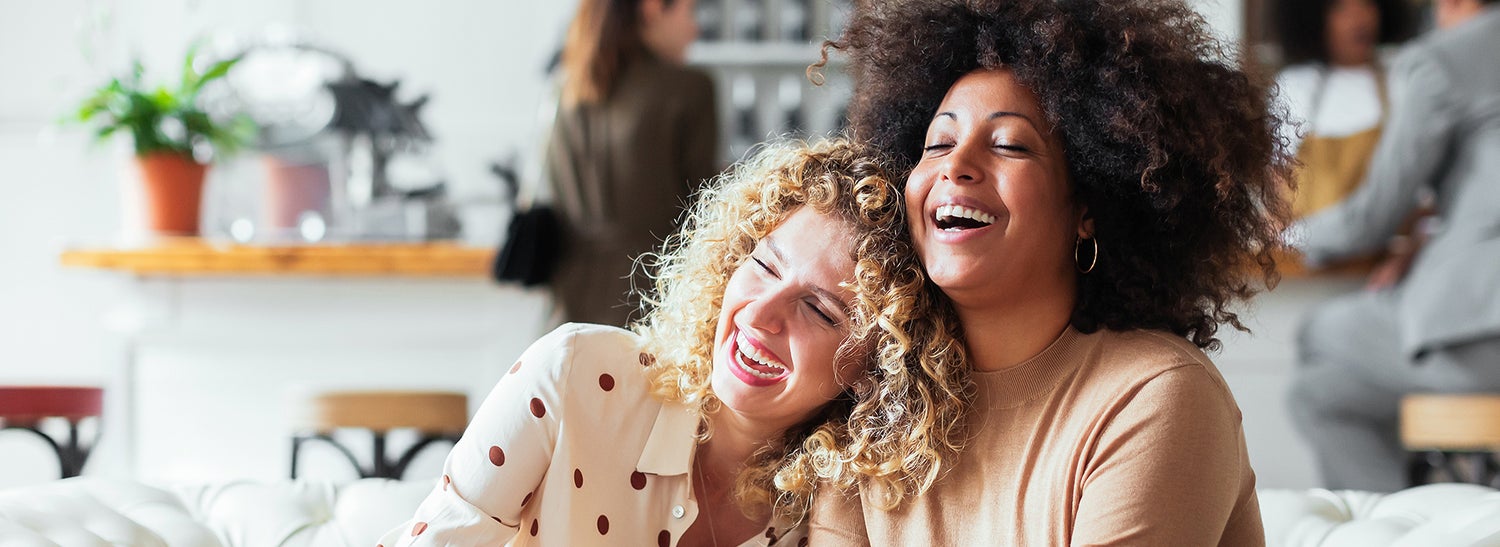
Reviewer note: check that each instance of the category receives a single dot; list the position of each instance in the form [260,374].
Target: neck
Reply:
[1001,336]
[734,440]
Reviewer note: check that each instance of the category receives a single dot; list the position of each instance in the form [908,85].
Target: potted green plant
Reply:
[174,137]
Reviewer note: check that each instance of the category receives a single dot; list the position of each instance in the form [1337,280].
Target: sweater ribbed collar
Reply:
[1038,376]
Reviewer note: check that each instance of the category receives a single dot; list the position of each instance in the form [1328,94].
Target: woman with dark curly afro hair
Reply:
[1094,186]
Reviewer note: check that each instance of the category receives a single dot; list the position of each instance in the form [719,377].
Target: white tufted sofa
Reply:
[88,512]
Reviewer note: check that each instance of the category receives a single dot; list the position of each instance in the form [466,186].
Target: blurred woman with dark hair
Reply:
[1334,90]
[636,133]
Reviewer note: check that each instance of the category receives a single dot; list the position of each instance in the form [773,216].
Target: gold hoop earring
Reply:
[1093,260]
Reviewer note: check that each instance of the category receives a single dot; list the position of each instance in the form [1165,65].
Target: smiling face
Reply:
[783,320]
[989,202]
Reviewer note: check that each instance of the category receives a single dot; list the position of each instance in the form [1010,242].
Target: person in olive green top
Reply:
[636,133]
[1093,185]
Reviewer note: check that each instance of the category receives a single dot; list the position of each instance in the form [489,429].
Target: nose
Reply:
[768,310]
[961,165]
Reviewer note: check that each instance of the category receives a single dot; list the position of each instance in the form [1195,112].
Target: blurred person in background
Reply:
[1334,90]
[636,133]
[1436,327]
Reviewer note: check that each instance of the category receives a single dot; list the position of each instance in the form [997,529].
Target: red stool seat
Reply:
[24,407]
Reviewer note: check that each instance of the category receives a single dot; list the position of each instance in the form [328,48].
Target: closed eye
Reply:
[821,315]
[763,266]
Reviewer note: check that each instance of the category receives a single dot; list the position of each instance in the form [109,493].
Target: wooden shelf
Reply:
[197,257]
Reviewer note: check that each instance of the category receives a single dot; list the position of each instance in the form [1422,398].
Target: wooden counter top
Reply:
[197,257]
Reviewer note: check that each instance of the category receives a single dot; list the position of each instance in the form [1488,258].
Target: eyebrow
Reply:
[992,116]
[820,291]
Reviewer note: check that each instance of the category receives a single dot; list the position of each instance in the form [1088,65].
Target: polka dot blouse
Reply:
[570,448]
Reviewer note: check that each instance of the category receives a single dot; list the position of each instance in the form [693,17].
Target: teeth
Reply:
[950,212]
[753,354]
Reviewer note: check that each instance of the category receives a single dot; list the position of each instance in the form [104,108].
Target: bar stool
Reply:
[435,415]
[24,407]
[1456,436]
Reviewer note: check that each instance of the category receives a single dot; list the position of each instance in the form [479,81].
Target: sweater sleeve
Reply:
[1168,468]
[501,458]
[836,518]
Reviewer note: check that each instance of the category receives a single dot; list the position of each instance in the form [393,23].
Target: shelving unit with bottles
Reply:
[758,52]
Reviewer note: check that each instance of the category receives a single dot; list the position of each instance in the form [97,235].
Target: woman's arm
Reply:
[502,457]
[1169,468]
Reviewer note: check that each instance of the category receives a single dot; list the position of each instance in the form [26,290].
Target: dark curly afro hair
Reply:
[1169,143]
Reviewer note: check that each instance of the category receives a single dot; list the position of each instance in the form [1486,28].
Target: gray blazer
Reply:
[1443,136]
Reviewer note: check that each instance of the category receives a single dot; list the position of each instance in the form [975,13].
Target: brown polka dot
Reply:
[647,359]
[497,456]
[578,478]
[533,527]
[418,528]
[664,539]
[638,480]
[537,409]
[606,382]
[603,525]
[446,480]
[526,499]
[515,367]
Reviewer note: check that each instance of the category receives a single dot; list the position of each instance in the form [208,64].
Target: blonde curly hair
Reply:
[901,419]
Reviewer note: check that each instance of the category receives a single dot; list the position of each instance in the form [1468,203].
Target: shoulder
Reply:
[1157,363]
[588,347]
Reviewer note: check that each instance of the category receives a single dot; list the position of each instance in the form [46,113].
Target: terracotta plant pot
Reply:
[172,190]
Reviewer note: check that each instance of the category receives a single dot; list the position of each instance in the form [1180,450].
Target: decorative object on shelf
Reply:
[344,157]
[174,138]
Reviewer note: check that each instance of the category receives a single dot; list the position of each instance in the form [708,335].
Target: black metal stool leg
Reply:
[1418,470]
[380,467]
[296,447]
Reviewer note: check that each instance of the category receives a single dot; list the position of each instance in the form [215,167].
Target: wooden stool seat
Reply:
[439,412]
[1458,434]
[24,407]
[434,415]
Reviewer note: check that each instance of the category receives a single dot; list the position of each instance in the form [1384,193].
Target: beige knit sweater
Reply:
[1111,438]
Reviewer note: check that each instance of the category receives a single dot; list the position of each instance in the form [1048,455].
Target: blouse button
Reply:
[678,511]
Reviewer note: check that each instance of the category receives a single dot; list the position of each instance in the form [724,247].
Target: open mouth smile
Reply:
[957,218]
[754,365]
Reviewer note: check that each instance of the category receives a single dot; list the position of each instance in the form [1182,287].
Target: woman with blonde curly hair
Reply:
[710,423]
[1094,187]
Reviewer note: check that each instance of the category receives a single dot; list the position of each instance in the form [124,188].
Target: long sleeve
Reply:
[1412,153]
[502,457]
[1167,468]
